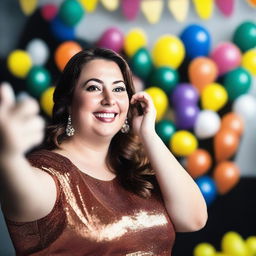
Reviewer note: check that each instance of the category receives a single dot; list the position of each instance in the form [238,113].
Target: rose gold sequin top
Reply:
[93,217]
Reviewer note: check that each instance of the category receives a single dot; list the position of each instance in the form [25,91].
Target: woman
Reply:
[105,184]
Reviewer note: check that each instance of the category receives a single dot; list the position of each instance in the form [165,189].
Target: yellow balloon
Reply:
[168,51]
[183,143]
[233,244]
[204,249]
[214,97]
[19,63]
[251,245]
[46,100]
[249,61]
[160,101]
[134,40]
[221,254]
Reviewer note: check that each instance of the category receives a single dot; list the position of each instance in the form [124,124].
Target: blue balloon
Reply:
[207,187]
[62,31]
[197,41]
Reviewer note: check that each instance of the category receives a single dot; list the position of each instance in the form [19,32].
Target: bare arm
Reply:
[182,197]
[26,193]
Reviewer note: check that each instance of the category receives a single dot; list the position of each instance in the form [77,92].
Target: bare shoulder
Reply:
[40,203]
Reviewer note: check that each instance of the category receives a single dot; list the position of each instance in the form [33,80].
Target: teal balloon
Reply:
[141,63]
[38,80]
[165,129]
[164,77]
[71,12]
[245,36]
[237,82]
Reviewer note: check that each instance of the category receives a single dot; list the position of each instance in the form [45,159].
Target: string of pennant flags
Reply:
[152,9]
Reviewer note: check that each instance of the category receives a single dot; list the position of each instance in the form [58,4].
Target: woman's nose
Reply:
[108,98]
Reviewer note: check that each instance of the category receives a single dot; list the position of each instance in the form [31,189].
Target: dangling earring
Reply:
[126,127]
[70,131]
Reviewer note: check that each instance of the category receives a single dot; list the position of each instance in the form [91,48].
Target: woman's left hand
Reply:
[145,123]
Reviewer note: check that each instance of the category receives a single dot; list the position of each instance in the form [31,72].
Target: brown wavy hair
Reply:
[126,155]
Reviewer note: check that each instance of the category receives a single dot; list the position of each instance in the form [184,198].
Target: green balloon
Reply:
[165,129]
[245,36]
[164,77]
[71,12]
[141,63]
[38,80]
[237,82]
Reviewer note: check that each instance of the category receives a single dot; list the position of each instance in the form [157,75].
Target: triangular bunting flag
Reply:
[110,5]
[226,6]
[89,5]
[179,9]
[28,6]
[130,9]
[204,8]
[152,10]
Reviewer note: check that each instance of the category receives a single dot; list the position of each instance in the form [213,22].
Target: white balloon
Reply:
[207,124]
[245,106]
[38,51]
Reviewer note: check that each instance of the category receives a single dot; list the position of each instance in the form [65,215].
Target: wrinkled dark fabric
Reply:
[93,217]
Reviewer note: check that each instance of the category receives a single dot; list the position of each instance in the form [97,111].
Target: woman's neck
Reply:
[81,149]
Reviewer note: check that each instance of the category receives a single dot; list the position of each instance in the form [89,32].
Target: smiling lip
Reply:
[106,117]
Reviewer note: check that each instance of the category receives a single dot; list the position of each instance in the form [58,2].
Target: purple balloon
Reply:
[185,116]
[184,94]
[112,39]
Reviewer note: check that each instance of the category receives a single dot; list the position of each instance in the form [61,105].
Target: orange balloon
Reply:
[226,143]
[226,175]
[234,122]
[198,163]
[202,71]
[64,52]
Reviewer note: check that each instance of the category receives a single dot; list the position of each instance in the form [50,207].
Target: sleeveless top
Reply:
[93,217]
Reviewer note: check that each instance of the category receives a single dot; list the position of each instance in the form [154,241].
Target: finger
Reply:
[26,108]
[143,98]
[7,96]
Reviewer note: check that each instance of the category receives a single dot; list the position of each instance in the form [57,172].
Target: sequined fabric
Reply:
[93,217]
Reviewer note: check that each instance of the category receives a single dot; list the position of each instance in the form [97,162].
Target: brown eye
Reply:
[92,88]
[120,89]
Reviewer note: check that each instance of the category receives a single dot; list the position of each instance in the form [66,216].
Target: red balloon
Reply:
[198,163]
[226,175]
[226,142]
[112,39]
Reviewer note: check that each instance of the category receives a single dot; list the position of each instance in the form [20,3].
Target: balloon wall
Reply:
[232,243]
[200,89]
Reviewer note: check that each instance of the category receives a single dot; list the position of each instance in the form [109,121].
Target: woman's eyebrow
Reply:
[92,79]
[100,81]
[118,81]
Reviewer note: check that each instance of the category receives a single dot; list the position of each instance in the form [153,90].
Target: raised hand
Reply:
[144,124]
[21,128]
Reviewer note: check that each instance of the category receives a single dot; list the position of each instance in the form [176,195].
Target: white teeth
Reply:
[105,115]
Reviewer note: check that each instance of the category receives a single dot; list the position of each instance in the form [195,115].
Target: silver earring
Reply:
[70,131]
[126,127]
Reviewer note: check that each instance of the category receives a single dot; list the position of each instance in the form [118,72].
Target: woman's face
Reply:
[100,102]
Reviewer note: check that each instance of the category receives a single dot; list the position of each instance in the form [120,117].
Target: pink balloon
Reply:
[112,39]
[130,8]
[227,56]
[49,11]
